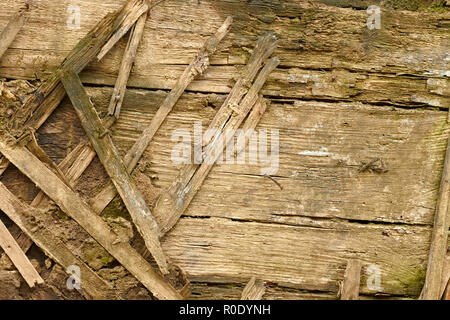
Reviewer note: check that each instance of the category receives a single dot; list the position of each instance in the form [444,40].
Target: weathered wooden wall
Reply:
[342,95]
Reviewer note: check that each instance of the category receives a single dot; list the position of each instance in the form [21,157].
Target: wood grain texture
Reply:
[71,203]
[18,257]
[254,290]
[349,288]
[35,224]
[115,167]
[11,30]
[326,52]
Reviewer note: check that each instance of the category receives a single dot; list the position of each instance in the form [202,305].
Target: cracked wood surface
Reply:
[325,52]
[72,204]
[115,167]
[34,223]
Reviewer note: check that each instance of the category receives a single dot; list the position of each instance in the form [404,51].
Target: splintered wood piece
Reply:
[172,203]
[12,29]
[438,249]
[76,208]
[127,63]
[116,169]
[254,290]
[197,66]
[32,222]
[444,292]
[18,257]
[140,8]
[349,289]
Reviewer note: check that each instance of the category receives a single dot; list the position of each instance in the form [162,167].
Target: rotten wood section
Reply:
[349,289]
[125,68]
[117,171]
[76,208]
[18,257]
[383,66]
[11,30]
[197,66]
[254,290]
[34,223]
[438,248]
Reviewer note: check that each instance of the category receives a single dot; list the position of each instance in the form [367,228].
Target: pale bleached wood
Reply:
[33,223]
[172,203]
[75,207]
[349,289]
[9,33]
[254,290]
[197,66]
[127,63]
[140,8]
[116,169]
[438,248]
[18,257]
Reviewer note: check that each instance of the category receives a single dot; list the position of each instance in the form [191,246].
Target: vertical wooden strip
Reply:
[127,63]
[254,290]
[350,286]
[114,166]
[18,257]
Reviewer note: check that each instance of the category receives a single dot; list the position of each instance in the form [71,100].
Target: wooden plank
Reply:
[444,291]
[301,257]
[438,249]
[371,68]
[254,290]
[127,64]
[13,27]
[349,289]
[18,257]
[33,223]
[76,208]
[111,160]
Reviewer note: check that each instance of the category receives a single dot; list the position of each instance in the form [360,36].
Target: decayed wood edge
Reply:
[254,290]
[349,288]
[76,208]
[127,63]
[438,248]
[197,66]
[18,257]
[13,27]
[444,292]
[38,107]
[127,23]
[172,203]
[92,286]
[116,169]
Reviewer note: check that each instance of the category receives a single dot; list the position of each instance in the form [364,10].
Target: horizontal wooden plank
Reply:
[325,52]
[322,146]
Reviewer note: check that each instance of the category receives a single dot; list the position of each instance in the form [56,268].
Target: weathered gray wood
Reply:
[125,68]
[71,204]
[18,257]
[349,289]
[111,160]
[9,33]
[171,205]
[254,290]
[32,222]
[438,248]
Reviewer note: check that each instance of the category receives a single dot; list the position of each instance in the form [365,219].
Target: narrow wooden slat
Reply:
[444,292]
[125,68]
[9,33]
[349,289]
[438,249]
[171,205]
[254,290]
[32,222]
[18,257]
[197,66]
[114,166]
[75,207]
